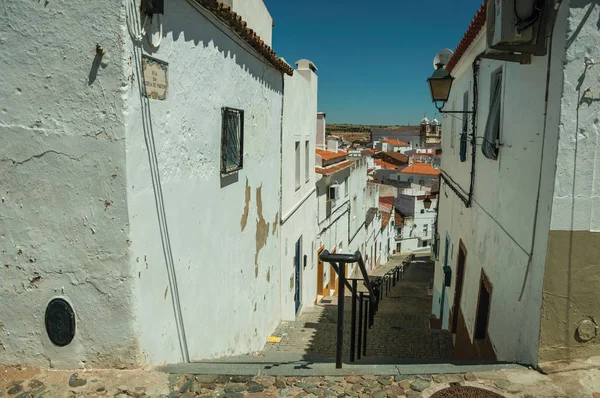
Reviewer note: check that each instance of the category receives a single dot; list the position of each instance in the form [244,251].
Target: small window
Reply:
[297,165]
[492,126]
[465,128]
[307,161]
[422,211]
[232,140]
[354,209]
[421,182]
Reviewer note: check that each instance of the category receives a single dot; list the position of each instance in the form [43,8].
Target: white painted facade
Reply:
[529,190]
[341,222]
[116,202]
[299,198]
[417,234]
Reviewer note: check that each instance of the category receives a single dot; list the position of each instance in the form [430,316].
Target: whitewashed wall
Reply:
[223,238]
[496,232]
[63,176]
[299,206]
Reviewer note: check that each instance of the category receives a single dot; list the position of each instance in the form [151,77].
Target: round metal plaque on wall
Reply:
[60,322]
[465,392]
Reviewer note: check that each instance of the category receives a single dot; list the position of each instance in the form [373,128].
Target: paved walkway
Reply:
[401,328]
[522,383]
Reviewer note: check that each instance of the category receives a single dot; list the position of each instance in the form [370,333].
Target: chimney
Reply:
[306,68]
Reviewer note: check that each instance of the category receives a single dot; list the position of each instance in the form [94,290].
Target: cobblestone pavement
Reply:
[401,328]
[523,383]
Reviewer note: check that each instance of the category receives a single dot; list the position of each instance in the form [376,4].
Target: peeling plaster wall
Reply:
[221,237]
[64,219]
[299,206]
[496,233]
[570,315]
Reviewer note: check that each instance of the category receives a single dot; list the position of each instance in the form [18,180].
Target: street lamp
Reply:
[427,203]
[440,84]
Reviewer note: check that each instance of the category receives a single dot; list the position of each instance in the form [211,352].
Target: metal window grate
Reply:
[232,140]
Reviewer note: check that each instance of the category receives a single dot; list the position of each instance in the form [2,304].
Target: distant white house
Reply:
[417,232]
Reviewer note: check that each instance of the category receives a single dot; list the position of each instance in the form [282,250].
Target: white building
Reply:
[341,197]
[519,212]
[299,200]
[417,232]
[143,192]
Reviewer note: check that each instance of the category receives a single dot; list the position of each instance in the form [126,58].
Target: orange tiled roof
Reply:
[469,36]
[385,165]
[235,22]
[385,219]
[398,220]
[387,201]
[335,168]
[421,168]
[395,142]
[328,155]
[400,157]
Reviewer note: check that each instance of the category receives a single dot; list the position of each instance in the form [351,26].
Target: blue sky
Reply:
[373,57]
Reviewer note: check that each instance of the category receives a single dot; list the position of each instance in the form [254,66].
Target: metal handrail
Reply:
[332,259]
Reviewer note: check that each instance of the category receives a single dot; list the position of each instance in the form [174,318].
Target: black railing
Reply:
[366,304]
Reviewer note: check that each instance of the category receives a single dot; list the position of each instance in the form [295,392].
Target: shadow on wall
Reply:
[184,22]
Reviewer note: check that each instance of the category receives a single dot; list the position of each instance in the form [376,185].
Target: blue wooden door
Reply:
[298,268]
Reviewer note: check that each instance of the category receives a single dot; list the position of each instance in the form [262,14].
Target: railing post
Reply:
[340,320]
[353,327]
[365,328]
[360,322]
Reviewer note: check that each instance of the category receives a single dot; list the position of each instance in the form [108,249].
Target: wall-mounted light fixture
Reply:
[427,203]
[440,84]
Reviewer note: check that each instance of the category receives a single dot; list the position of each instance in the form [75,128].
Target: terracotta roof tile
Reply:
[239,26]
[400,157]
[387,201]
[385,165]
[328,155]
[398,219]
[395,142]
[474,28]
[385,219]
[335,168]
[421,168]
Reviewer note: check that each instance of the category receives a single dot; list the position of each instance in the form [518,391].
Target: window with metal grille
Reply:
[232,140]
[492,126]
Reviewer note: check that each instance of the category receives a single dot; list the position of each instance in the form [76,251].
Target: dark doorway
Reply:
[460,272]
[483,310]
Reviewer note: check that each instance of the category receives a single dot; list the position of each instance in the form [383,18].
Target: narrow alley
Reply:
[401,328]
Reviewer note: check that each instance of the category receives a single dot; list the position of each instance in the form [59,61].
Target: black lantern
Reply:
[440,84]
[427,203]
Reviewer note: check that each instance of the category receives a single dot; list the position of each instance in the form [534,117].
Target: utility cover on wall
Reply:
[60,322]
